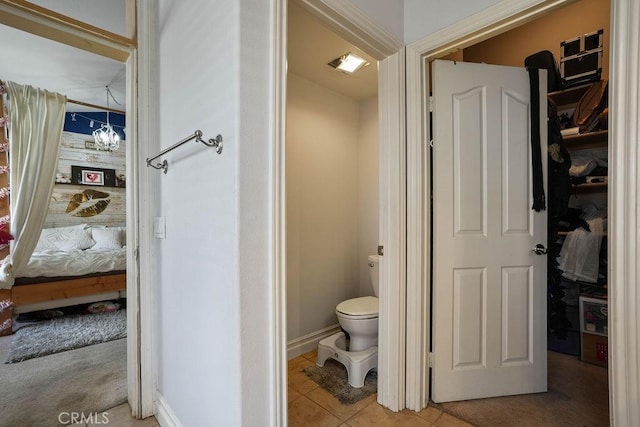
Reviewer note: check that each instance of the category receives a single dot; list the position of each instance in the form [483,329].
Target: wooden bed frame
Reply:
[43,293]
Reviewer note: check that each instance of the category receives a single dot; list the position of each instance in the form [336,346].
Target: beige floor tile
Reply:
[292,395]
[429,413]
[376,415]
[298,380]
[333,405]
[311,355]
[446,420]
[121,416]
[305,413]
[293,363]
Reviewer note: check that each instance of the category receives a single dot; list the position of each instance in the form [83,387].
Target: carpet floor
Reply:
[578,396]
[66,333]
[36,391]
[333,378]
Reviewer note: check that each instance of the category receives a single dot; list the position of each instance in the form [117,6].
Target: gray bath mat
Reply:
[333,378]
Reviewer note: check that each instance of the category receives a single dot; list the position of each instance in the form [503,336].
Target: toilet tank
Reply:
[374,272]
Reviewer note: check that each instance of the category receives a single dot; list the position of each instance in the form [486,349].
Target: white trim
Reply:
[278,215]
[306,343]
[356,27]
[392,161]
[164,414]
[37,22]
[624,359]
[133,300]
[418,238]
[145,199]
[624,237]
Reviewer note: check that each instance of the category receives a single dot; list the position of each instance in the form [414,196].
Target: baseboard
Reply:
[309,342]
[164,414]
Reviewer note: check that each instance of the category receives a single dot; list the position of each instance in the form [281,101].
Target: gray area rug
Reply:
[333,378]
[88,379]
[66,333]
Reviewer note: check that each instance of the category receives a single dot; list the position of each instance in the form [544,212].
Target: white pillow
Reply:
[106,238]
[53,238]
[77,240]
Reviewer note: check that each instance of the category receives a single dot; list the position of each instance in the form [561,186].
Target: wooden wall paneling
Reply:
[75,152]
[113,215]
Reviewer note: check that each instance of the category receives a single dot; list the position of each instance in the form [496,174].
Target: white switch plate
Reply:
[159,228]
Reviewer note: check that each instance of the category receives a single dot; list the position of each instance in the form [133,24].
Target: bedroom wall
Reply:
[74,151]
[332,202]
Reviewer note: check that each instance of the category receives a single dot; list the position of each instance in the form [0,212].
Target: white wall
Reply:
[368,209]
[388,14]
[322,204]
[332,202]
[422,18]
[213,292]
[412,20]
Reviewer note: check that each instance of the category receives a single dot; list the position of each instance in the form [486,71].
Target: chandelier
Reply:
[106,138]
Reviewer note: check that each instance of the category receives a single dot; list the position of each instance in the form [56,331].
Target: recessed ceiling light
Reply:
[348,63]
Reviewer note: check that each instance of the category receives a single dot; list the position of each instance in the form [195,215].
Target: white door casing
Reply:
[489,300]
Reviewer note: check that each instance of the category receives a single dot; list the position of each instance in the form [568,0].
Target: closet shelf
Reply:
[595,187]
[598,139]
[568,96]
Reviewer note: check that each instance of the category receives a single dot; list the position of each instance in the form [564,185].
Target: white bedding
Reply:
[50,263]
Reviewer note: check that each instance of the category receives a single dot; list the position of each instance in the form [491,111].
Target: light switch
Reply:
[159,228]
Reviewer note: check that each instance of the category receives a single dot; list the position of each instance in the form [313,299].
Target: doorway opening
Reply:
[113,49]
[566,346]
[332,197]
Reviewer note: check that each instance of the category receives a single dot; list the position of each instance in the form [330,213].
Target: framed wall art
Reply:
[86,175]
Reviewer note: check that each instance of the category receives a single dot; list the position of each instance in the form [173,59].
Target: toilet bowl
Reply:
[358,317]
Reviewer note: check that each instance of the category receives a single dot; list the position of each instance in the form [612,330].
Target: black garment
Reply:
[536,155]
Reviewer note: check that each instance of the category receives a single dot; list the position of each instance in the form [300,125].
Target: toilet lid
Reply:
[359,306]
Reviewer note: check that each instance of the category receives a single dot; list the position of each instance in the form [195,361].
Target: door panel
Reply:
[489,288]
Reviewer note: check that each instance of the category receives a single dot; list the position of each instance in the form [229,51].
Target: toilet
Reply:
[359,318]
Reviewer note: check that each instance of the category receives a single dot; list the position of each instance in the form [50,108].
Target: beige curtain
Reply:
[35,122]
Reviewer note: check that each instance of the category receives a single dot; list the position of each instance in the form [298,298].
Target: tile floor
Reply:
[311,406]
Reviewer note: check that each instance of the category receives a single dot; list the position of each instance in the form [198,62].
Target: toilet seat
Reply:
[359,308]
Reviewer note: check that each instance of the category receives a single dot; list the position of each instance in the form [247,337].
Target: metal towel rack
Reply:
[197,135]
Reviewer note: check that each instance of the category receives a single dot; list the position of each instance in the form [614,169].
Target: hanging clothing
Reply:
[580,254]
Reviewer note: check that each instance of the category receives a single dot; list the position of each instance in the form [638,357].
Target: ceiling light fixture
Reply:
[106,138]
[348,63]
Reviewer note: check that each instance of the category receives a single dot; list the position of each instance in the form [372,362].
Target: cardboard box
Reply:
[595,349]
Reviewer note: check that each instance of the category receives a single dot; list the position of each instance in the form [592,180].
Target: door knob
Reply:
[539,249]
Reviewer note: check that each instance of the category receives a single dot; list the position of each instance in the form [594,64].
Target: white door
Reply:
[489,287]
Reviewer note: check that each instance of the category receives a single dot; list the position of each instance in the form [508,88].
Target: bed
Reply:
[72,265]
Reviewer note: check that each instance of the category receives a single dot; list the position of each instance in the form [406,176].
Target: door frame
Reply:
[357,28]
[51,25]
[624,353]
